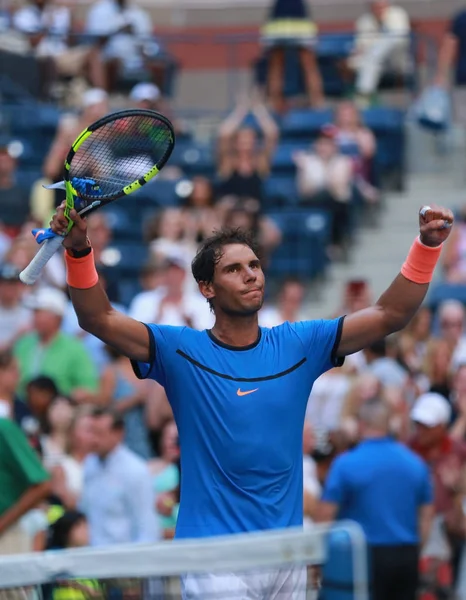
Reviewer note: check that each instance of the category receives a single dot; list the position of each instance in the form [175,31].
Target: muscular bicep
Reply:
[392,312]
[128,336]
[361,329]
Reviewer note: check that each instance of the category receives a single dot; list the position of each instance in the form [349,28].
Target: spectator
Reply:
[40,393]
[243,164]
[454,257]
[289,305]
[458,403]
[167,237]
[148,96]
[387,370]
[123,28]
[245,215]
[14,198]
[68,472]
[324,179]
[15,318]
[57,427]
[165,473]
[363,389]
[446,457]
[381,46]
[71,530]
[437,366]
[452,56]
[94,105]
[10,404]
[385,488]
[327,398]
[358,142]
[24,484]
[200,215]
[289,24]
[452,320]
[48,351]
[117,498]
[127,395]
[416,336]
[172,304]
[47,27]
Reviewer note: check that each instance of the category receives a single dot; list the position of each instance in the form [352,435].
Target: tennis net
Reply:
[287,564]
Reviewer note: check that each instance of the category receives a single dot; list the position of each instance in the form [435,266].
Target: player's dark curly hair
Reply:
[211,251]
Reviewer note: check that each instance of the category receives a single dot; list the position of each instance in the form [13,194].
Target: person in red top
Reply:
[446,458]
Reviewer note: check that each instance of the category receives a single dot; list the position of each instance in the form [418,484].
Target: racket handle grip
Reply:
[32,272]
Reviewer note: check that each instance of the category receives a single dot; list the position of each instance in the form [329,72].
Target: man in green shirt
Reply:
[48,351]
[24,483]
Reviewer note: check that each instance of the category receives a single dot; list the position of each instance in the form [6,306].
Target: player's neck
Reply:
[236,331]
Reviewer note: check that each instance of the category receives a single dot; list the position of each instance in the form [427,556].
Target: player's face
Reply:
[238,285]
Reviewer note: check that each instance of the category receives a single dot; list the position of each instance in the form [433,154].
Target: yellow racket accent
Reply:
[132,187]
[81,138]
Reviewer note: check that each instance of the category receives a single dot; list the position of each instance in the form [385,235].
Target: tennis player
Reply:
[239,391]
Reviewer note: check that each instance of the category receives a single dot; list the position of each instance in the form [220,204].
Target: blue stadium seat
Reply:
[280,191]
[159,192]
[127,289]
[123,225]
[305,123]
[382,119]
[282,161]
[446,291]
[306,235]
[127,257]
[194,159]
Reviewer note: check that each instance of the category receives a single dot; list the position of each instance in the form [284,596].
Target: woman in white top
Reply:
[325,180]
[67,474]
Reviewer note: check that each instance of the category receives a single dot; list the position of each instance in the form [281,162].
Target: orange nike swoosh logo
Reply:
[240,393]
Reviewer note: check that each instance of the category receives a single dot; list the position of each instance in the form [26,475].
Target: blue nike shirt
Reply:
[240,416]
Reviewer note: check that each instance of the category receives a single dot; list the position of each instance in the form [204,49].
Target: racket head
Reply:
[120,153]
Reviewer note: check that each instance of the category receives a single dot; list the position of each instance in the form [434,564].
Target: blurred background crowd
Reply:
[310,155]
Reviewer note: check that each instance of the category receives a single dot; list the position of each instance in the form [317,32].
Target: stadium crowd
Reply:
[89,454]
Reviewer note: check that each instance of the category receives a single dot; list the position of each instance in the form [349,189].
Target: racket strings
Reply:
[121,152]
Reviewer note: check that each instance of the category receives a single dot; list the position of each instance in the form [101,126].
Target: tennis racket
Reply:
[112,158]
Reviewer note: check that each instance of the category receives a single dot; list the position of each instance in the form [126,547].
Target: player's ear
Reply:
[207,290]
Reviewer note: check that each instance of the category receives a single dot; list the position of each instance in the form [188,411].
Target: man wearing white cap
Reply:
[48,351]
[446,458]
[145,95]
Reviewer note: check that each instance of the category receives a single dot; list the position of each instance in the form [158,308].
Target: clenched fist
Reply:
[435,223]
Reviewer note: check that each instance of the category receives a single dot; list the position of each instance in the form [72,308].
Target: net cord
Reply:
[274,549]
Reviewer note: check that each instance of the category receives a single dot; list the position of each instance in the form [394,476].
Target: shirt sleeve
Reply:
[335,488]
[321,339]
[22,459]
[163,339]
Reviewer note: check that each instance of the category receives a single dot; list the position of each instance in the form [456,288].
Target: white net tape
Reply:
[272,564]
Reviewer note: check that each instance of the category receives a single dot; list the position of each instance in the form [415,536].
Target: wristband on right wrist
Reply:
[80,271]
[421,261]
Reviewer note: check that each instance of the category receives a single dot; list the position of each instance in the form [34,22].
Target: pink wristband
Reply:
[421,261]
[81,272]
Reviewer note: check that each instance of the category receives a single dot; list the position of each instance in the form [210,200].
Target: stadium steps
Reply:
[436,176]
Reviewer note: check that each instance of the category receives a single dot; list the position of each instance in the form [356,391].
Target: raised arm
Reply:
[93,309]
[398,304]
